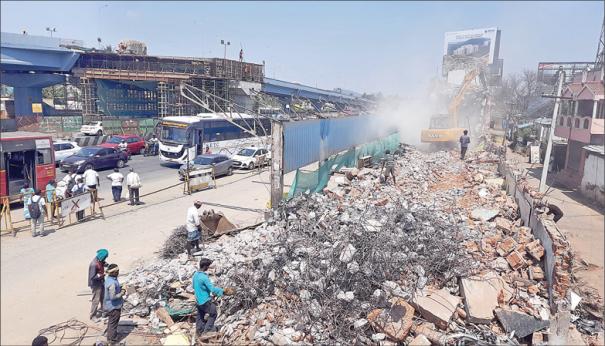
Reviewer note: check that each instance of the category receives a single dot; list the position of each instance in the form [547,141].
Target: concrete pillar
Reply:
[595,107]
[575,108]
[277,163]
[24,97]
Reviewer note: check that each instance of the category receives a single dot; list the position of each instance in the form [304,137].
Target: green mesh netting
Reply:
[315,181]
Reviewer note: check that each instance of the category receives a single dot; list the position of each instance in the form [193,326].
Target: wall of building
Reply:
[593,185]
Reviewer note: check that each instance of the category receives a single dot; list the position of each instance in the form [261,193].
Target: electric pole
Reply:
[552,131]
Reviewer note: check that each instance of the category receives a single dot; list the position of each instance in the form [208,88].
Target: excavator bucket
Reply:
[215,223]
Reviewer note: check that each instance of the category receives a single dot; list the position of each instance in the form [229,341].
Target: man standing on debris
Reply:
[203,288]
[464,142]
[388,166]
[96,281]
[112,302]
[193,227]
[133,181]
[116,184]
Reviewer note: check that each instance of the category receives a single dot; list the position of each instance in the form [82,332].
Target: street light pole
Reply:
[552,131]
[51,30]
[225,44]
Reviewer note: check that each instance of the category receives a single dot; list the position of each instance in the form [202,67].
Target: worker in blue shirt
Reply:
[203,287]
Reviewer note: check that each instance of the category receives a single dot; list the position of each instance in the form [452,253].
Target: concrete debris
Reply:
[420,340]
[521,324]
[357,263]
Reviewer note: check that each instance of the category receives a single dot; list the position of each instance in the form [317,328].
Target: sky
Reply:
[389,47]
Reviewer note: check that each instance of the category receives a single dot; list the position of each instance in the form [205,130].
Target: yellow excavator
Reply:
[444,128]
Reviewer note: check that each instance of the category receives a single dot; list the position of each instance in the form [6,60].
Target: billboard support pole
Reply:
[277,163]
[551,132]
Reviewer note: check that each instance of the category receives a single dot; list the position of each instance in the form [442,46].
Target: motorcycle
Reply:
[151,148]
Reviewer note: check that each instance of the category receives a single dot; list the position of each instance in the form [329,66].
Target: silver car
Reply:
[221,164]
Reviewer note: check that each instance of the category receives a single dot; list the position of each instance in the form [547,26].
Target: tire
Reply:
[99,133]
[89,166]
[251,166]
[120,163]
[230,171]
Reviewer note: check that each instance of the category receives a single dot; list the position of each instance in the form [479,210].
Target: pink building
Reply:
[581,121]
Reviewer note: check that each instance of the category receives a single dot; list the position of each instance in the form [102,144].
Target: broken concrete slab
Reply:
[504,224]
[522,324]
[437,307]
[395,321]
[484,214]
[481,294]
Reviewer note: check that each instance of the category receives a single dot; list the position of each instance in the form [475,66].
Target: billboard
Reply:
[463,48]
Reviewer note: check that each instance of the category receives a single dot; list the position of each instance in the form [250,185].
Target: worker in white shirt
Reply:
[133,181]
[122,146]
[116,184]
[91,179]
[193,227]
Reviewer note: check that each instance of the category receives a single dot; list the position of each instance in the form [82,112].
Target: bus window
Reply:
[43,156]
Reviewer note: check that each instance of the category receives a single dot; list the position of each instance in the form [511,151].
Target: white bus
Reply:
[182,138]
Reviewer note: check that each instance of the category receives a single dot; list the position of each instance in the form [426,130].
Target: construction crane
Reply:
[444,128]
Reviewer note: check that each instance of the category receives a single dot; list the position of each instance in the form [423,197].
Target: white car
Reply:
[64,149]
[94,128]
[251,157]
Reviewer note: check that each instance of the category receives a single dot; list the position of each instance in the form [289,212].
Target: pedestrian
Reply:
[193,227]
[26,195]
[153,142]
[464,142]
[91,179]
[70,180]
[112,302]
[51,199]
[123,146]
[60,191]
[116,184]
[36,209]
[79,189]
[207,152]
[388,165]
[40,340]
[203,287]
[133,182]
[96,282]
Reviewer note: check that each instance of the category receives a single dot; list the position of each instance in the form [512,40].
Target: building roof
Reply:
[597,149]
[23,134]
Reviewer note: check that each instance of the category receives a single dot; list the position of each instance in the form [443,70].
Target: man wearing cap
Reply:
[193,227]
[112,302]
[96,280]
[203,287]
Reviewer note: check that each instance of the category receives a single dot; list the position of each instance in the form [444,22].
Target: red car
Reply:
[135,144]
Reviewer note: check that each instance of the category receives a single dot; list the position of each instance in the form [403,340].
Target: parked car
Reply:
[94,128]
[221,163]
[64,149]
[96,157]
[135,144]
[251,157]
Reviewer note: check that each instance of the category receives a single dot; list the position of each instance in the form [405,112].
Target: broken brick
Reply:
[504,224]
[395,321]
[515,260]
[535,249]
[381,202]
[536,273]
[533,289]
[506,246]
[420,340]
[437,307]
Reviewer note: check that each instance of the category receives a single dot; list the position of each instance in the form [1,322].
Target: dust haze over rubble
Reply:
[409,116]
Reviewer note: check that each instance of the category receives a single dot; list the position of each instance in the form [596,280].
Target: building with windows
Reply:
[581,121]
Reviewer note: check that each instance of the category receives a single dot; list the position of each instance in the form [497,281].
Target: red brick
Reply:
[535,249]
[536,273]
[506,246]
[515,260]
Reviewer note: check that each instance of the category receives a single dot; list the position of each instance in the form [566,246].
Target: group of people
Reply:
[133,183]
[108,295]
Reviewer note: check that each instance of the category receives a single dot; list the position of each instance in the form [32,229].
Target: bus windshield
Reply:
[174,134]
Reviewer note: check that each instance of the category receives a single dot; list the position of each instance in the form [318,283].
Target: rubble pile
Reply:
[436,258]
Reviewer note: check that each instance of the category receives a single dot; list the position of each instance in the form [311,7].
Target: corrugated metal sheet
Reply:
[310,141]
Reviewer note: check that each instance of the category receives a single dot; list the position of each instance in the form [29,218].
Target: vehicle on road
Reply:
[250,158]
[64,149]
[25,157]
[186,137]
[221,164]
[94,128]
[135,144]
[96,157]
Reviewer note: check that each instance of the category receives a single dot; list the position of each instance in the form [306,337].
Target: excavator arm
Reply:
[457,100]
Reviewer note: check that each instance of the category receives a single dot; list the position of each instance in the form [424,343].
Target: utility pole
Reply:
[225,44]
[552,131]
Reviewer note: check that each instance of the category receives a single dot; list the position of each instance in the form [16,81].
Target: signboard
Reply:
[42,143]
[74,204]
[201,179]
[534,151]
[463,47]
[36,108]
